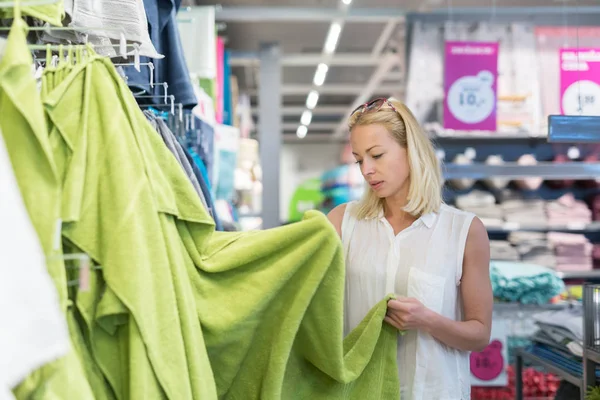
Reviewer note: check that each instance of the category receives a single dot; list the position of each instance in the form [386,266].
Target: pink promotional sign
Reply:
[470,74]
[580,81]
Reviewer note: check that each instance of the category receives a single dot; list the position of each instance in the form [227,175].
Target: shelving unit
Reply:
[591,349]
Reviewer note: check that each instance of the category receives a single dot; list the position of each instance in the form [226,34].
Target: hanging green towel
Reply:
[52,13]
[179,311]
[25,133]
[271,306]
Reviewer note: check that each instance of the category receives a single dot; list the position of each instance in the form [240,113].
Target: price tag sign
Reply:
[580,81]
[470,75]
[488,367]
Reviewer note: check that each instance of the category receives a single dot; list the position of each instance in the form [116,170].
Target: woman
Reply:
[401,238]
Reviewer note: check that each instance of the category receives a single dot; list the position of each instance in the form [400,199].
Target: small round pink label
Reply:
[489,363]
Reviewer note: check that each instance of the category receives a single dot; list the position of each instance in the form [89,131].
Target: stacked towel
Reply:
[524,283]
[533,247]
[567,210]
[526,212]
[573,251]
[483,204]
[501,250]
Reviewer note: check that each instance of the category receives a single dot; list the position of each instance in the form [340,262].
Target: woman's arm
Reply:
[473,333]
[336,216]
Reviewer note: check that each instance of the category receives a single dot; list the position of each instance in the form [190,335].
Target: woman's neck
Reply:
[394,207]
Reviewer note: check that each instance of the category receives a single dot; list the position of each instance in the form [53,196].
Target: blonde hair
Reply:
[425,191]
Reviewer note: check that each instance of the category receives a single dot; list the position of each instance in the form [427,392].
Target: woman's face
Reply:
[383,162]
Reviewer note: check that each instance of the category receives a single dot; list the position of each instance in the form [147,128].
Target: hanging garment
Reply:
[34,331]
[379,262]
[52,13]
[167,277]
[177,151]
[202,176]
[120,17]
[25,134]
[172,69]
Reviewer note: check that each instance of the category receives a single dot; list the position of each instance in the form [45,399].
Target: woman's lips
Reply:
[376,185]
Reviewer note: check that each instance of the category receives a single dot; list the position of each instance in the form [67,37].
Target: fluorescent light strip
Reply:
[320,74]
[332,37]
[347,2]
[302,131]
[312,99]
[306,117]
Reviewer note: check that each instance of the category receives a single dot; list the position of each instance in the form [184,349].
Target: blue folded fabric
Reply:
[524,283]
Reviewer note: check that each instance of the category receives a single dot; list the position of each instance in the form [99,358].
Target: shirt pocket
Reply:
[428,288]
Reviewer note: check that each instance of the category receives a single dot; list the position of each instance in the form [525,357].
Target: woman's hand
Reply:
[406,313]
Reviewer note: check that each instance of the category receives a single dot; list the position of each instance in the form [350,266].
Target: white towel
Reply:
[34,330]
[116,16]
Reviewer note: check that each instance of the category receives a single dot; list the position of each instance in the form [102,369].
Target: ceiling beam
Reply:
[367,92]
[319,110]
[243,59]
[339,89]
[314,126]
[305,14]
[384,38]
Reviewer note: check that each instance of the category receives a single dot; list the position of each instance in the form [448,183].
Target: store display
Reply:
[524,283]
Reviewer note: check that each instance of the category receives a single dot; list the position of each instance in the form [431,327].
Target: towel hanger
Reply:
[165,85]
[150,66]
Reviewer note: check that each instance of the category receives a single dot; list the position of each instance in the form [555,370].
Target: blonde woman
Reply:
[401,238]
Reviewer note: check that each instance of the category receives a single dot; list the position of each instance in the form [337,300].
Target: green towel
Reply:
[25,133]
[271,306]
[178,310]
[52,13]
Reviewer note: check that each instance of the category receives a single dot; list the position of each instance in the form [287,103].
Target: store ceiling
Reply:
[370,36]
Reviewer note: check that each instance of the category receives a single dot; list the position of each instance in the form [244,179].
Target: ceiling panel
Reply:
[297,37]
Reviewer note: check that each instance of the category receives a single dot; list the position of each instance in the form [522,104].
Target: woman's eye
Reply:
[359,162]
[377,156]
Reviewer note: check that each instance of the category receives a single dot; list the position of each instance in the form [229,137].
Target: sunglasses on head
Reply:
[374,106]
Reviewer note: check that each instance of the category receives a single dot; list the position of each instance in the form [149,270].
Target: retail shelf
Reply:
[525,307]
[551,367]
[593,355]
[487,136]
[593,274]
[572,170]
[572,227]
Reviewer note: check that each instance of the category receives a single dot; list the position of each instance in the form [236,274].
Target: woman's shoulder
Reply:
[446,209]
[336,216]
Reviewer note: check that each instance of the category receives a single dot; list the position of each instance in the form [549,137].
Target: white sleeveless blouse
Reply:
[423,261]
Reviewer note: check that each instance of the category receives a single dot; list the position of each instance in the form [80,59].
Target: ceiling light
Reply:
[312,99]
[306,117]
[332,37]
[301,131]
[320,74]
[347,2]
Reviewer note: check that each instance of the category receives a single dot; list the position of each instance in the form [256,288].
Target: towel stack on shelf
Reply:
[524,283]
[573,251]
[525,211]
[567,210]
[533,247]
[483,204]
[502,250]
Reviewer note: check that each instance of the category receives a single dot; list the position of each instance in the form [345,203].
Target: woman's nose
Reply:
[368,168]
